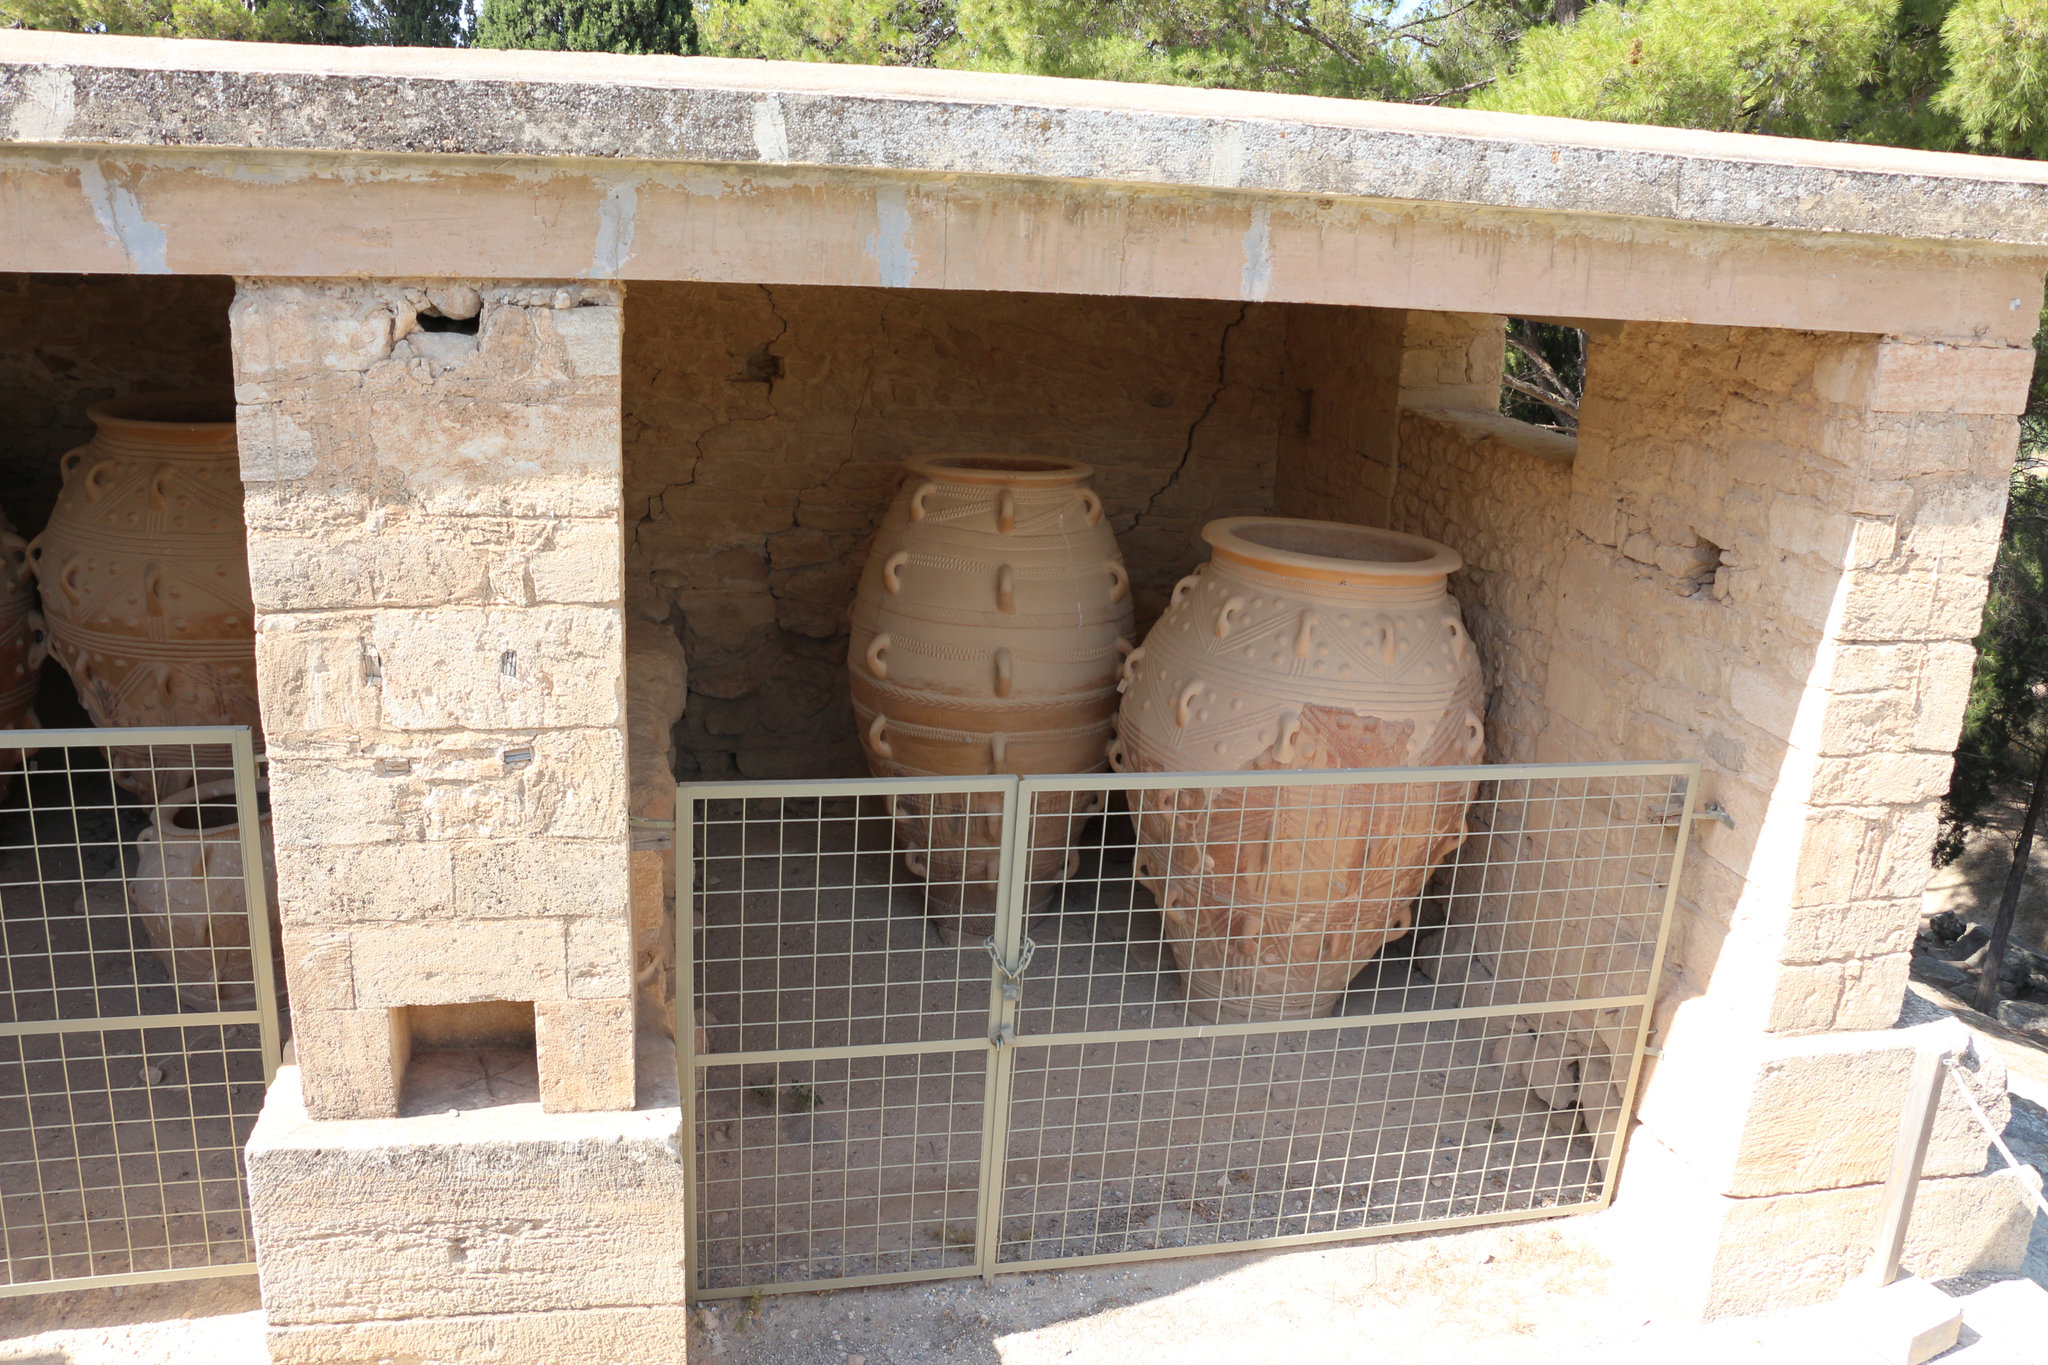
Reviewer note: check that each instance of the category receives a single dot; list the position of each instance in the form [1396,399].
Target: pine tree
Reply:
[642,26]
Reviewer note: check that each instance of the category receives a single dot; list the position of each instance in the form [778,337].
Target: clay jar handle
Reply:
[1127,672]
[1181,588]
[38,640]
[917,497]
[878,647]
[1119,579]
[877,729]
[1005,674]
[1091,506]
[91,483]
[1006,511]
[153,588]
[65,577]
[1224,613]
[1186,702]
[892,572]
[16,549]
[1283,739]
[1006,589]
[160,488]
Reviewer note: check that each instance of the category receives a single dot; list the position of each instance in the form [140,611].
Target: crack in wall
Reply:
[1187,450]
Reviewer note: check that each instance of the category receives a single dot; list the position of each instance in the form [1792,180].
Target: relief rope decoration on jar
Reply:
[988,635]
[144,569]
[1298,645]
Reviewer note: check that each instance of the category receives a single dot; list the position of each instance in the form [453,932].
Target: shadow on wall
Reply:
[765,430]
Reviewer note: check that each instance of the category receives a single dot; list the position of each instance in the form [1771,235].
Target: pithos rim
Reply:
[1002,469]
[193,414]
[1331,551]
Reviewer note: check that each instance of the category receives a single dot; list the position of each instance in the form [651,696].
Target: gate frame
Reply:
[256,899]
[1003,1040]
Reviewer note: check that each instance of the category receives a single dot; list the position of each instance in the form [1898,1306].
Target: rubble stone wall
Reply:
[1499,492]
[765,427]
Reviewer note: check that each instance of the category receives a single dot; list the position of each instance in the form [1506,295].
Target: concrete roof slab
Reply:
[68,90]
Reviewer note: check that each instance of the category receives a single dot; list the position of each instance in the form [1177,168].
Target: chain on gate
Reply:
[955,1027]
[138,1009]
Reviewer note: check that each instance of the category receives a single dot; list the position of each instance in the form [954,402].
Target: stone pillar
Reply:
[1777,560]
[433,499]
[433,502]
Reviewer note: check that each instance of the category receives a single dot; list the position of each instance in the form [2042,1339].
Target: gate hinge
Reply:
[1004,1035]
[1012,977]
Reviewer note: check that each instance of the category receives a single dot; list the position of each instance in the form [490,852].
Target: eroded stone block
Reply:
[354,1061]
[462,1212]
[585,1048]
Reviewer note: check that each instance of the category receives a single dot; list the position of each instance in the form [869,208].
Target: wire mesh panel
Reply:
[836,1054]
[138,1018]
[1206,1010]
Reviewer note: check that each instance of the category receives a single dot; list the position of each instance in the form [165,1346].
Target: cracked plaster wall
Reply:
[765,429]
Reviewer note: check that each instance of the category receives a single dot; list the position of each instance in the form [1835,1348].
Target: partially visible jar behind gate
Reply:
[987,633]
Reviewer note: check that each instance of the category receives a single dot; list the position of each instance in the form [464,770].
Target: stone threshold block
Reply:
[1715,1255]
[592,1336]
[1755,1115]
[473,1234]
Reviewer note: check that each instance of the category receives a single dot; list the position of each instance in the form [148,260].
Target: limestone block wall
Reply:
[433,502]
[765,428]
[1777,559]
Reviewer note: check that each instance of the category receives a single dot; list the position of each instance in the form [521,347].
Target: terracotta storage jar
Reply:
[22,647]
[188,891]
[144,570]
[1300,644]
[991,619]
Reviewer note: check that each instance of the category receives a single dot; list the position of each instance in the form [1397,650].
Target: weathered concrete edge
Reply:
[72,90]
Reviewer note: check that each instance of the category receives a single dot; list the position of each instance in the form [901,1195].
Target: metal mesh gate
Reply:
[951,1027]
[138,1019]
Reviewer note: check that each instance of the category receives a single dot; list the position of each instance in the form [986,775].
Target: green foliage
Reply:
[1543,374]
[1793,67]
[1998,87]
[2007,720]
[642,26]
[1353,48]
[270,21]
[871,32]
[413,23]
[1349,48]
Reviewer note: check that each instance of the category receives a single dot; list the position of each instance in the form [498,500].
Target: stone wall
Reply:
[76,340]
[765,427]
[1499,492]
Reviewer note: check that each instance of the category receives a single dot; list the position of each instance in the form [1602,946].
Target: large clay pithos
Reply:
[144,569]
[1300,644]
[189,894]
[990,623]
[22,647]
